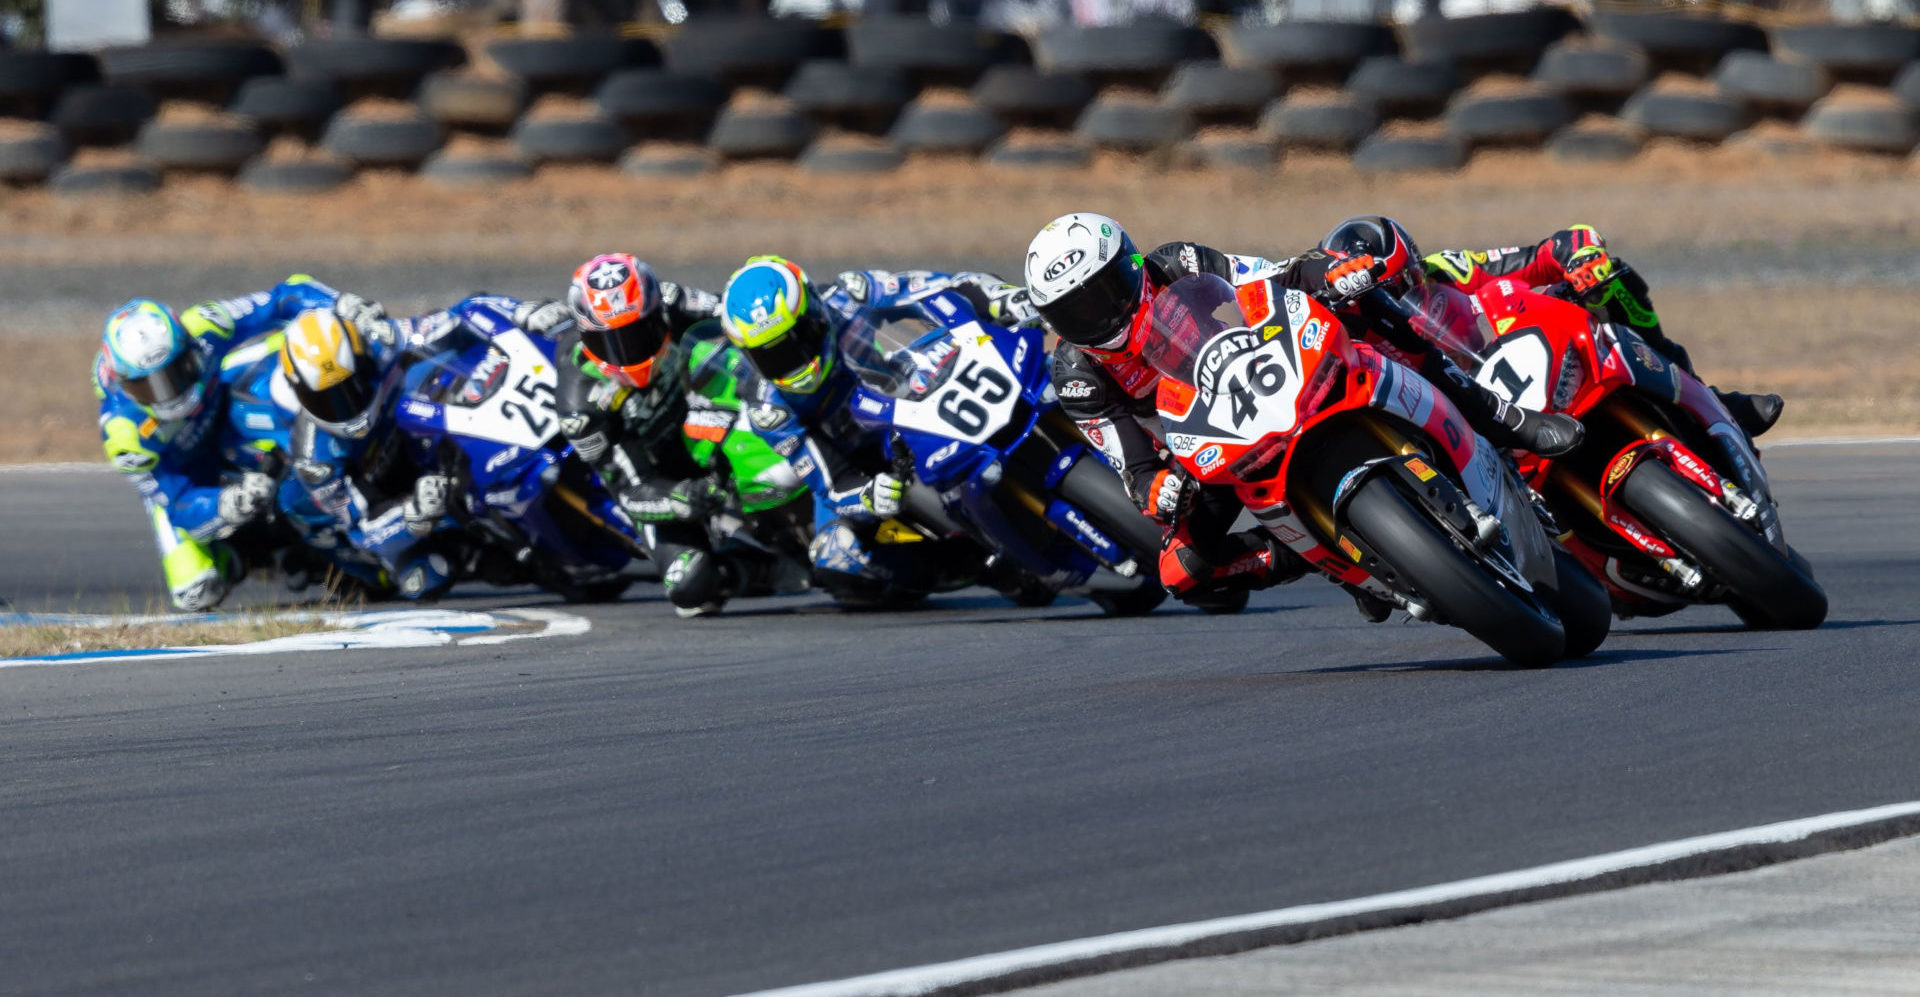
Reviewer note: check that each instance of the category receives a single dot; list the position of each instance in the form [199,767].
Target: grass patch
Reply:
[30,639]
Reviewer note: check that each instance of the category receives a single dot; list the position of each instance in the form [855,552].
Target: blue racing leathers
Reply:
[177,466]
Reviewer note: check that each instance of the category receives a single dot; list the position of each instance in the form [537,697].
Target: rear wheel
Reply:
[1768,589]
[1441,575]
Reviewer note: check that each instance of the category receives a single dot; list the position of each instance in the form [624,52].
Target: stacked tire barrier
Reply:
[1424,96]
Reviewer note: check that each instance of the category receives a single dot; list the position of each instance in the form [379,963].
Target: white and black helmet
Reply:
[1085,279]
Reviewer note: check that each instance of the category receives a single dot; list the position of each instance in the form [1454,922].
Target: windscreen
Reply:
[899,351]
[1443,314]
[1186,316]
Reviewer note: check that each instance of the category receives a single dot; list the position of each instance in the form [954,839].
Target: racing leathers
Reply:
[1578,256]
[196,499]
[848,467]
[632,438]
[1111,397]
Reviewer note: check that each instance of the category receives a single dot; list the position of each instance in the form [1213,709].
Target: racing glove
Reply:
[883,494]
[245,500]
[1589,269]
[370,317]
[1165,496]
[1348,277]
[546,319]
[428,504]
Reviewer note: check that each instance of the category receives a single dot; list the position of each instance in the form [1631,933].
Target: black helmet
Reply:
[1386,241]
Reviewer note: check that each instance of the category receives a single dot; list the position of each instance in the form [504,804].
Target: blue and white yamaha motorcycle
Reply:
[481,409]
[974,419]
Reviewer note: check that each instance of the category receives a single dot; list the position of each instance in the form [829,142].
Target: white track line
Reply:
[990,973]
[557,625]
[1838,441]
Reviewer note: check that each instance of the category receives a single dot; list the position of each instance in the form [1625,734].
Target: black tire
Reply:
[776,133]
[295,177]
[1585,609]
[608,590]
[1889,127]
[590,138]
[1864,53]
[33,158]
[1019,586]
[749,51]
[211,72]
[1594,145]
[1232,152]
[1595,76]
[1765,581]
[922,128]
[384,142]
[1399,89]
[1041,152]
[1140,54]
[952,54]
[102,114]
[668,161]
[572,65]
[1483,43]
[86,181]
[827,156]
[861,99]
[281,106]
[1132,125]
[473,103]
[1211,93]
[1306,51]
[212,147]
[373,67]
[1337,122]
[663,105]
[1697,116]
[1680,43]
[30,82]
[1023,95]
[1754,617]
[1410,154]
[1094,487]
[1137,601]
[1219,603]
[1769,85]
[1425,561]
[475,169]
[1906,86]
[1511,120]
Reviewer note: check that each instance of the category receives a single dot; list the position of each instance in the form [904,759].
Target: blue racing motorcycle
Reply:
[974,419]
[480,408]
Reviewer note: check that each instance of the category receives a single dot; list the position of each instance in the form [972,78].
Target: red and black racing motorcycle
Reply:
[1666,499]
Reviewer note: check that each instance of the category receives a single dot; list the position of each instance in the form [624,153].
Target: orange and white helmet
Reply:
[616,301]
[332,373]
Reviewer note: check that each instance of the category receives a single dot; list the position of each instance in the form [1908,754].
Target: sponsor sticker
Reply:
[1209,456]
[1621,465]
[1420,469]
[1076,388]
[1311,336]
[1352,551]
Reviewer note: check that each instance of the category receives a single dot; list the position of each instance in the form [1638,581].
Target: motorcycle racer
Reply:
[1578,256]
[623,400]
[1095,291]
[162,406]
[789,328]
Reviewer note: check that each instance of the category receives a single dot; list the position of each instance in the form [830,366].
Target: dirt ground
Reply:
[1846,357]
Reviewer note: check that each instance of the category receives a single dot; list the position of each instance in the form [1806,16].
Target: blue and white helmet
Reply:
[154,360]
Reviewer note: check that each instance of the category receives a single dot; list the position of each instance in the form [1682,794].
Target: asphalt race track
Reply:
[789,793]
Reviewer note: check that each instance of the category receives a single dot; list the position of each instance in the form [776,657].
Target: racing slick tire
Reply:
[1770,590]
[574,64]
[1023,95]
[1096,490]
[1586,612]
[1459,590]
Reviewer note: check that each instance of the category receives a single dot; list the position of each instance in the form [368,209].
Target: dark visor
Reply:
[342,402]
[1096,311]
[793,351]
[626,345]
[164,385]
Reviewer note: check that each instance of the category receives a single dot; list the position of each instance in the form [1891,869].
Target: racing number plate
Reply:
[972,404]
[521,413]
[1517,369]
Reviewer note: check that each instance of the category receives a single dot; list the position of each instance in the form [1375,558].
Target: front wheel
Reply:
[1586,613]
[1768,589]
[1445,578]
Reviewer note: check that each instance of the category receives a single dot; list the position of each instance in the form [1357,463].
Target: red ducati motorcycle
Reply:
[1363,468]
[1666,499]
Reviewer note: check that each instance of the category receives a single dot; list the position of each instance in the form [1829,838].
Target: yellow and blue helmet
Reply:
[332,373]
[769,313]
[154,360]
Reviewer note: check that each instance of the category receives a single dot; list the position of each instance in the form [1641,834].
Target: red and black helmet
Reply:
[1386,241]
[615,300]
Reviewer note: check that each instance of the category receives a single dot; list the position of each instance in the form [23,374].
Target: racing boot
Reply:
[699,583]
[1755,414]
[1508,427]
